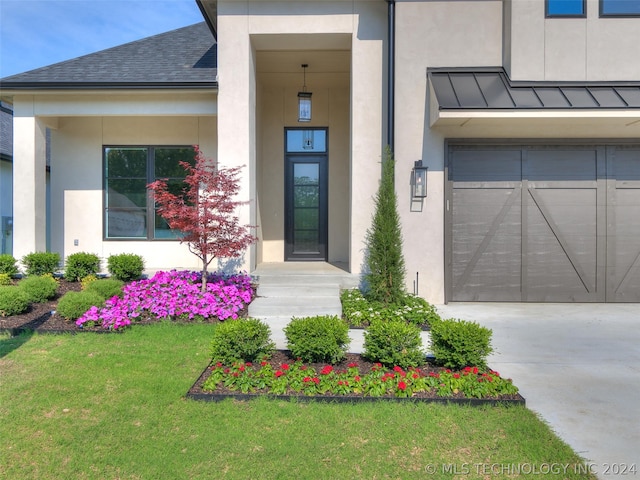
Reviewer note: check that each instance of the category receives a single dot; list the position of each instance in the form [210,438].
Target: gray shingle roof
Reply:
[185,57]
[479,88]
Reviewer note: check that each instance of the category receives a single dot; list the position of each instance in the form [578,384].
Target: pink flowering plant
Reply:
[299,379]
[173,295]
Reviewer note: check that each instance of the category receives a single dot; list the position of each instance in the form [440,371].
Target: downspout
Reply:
[391,54]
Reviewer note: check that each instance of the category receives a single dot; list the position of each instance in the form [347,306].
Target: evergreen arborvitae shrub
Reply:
[8,264]
[39,288]
[318,339]
[125,266]
[385,274]
[41,263]
[245,340]
[394,343]
[13,301]
[106,287]
[73,305]
[81,264]
[459,343]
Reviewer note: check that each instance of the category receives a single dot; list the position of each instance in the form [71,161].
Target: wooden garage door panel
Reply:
[561,245]
[623,226]
[487,244]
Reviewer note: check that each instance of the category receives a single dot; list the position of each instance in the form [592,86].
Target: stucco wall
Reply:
[580,49]
[255,139]
[432,34]
[77,176]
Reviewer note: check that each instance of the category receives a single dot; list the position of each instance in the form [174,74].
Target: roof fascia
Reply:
[31,86]
[210,14]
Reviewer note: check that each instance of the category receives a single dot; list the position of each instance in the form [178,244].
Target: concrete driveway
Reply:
[578,366]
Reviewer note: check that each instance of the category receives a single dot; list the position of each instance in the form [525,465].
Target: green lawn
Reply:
[112,406]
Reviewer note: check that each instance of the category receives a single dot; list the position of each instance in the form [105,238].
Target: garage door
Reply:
[543,223]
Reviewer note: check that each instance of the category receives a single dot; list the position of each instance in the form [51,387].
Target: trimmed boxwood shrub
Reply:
[241,340]
[8,265]
[318,339]
[106,288]
[41,263]
[13,301]
[39,288]
[73,305]
[81,264]
[459,343]
[125,266]
[394,343]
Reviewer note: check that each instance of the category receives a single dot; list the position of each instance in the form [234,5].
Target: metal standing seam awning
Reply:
[460,94]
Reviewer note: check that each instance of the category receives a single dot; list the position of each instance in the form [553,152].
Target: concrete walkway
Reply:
[578,366]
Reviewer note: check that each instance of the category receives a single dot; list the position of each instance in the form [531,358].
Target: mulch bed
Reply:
[282,356]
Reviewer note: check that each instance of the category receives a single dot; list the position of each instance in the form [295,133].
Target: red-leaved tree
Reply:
[205,213]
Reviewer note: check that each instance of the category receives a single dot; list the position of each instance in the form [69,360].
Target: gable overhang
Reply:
[486,97]
[209,10]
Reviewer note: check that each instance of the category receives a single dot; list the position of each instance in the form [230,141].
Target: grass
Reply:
[94,406]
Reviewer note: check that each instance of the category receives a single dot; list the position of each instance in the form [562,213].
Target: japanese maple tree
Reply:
[205,212]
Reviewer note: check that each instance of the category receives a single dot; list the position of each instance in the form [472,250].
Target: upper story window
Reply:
[620,8]
[566,8]
[129,210]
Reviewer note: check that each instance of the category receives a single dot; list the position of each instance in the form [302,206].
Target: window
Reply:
[620,8]
[127,203]
[565,8]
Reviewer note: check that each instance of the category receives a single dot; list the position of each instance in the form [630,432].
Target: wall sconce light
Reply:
[304,99]
[419,180]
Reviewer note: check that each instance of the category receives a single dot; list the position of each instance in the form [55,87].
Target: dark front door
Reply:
[306,207]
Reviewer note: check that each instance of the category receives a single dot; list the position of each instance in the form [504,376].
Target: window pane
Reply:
[126,223]
[167,161]
[306,140]
[127,193]
[565,7]
[620,7]
[306,174]
[162,230]
[126,162]
[306,197]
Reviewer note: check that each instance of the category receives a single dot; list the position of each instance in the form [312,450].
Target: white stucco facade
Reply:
[345,43]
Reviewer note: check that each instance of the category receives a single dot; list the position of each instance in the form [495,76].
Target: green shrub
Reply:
[73,305]
[81,264]
[86,281]
[41,263]
[394,343]
[8,265]
[318,339]
[126,266]
[5,279]
[241,340]
[106,288]
[39,288]
[13,301]
[460,343]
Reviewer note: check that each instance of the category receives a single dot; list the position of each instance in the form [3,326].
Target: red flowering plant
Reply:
[298,378]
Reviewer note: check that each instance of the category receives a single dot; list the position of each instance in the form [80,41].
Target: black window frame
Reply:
[565,15]
[150,208]
[616,15]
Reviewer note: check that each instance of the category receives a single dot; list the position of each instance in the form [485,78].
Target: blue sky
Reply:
[36,33]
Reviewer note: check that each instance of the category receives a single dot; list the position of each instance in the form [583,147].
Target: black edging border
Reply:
[472,402]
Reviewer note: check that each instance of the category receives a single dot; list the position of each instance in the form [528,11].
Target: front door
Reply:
[306,195]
